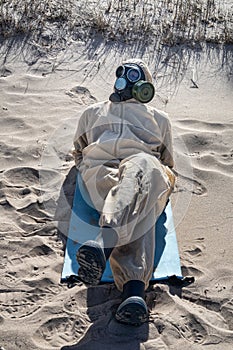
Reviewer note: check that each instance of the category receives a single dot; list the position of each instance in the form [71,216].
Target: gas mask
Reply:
[131,83]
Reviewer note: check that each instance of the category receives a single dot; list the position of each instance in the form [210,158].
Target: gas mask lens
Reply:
[120,71]
[120,84]
[134,75]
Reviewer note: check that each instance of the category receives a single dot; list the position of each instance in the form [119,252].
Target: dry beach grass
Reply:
[56,58]
[124,20]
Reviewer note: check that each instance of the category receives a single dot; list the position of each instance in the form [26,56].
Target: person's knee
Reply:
[137,165]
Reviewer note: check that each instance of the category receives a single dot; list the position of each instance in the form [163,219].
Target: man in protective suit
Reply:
[123,151]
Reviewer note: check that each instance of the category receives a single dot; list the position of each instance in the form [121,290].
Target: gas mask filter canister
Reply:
[131,83]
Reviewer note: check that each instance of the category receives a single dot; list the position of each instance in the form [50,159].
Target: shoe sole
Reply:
[132,311]
[92,262]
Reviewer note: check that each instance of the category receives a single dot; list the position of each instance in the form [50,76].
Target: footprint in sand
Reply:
[196,249]
[32,261]
[176,320]
[25,187]
[186,184]
[190,328]
[60,330]
[203,318]
[18,305]
[25,271]
[180,319]
[190,256]
[82,95]
[55,331]
[25,178]
[76,301]
[194,316]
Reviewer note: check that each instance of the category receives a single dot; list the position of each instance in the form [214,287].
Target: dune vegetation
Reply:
[169,22]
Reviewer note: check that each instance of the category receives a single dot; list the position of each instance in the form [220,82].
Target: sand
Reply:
[40,103]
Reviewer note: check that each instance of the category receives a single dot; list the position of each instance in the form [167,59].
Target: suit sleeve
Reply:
[80,140]
[166,150]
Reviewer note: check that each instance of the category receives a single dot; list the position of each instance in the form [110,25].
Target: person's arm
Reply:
[166,149]
[80,141]
[166,158]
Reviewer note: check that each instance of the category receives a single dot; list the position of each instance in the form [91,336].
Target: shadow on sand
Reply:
[105,333]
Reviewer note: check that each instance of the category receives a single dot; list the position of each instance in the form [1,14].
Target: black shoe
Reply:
[132,311]
[92,262]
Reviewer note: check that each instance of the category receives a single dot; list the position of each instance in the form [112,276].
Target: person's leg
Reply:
[92,256]
[135,205]
[133,309]
[132,267]
[132,275]
[143,188]
[134,261]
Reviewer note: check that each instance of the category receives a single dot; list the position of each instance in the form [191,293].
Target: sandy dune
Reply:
[40,104]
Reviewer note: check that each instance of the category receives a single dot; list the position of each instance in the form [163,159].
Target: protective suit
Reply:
[123,151]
